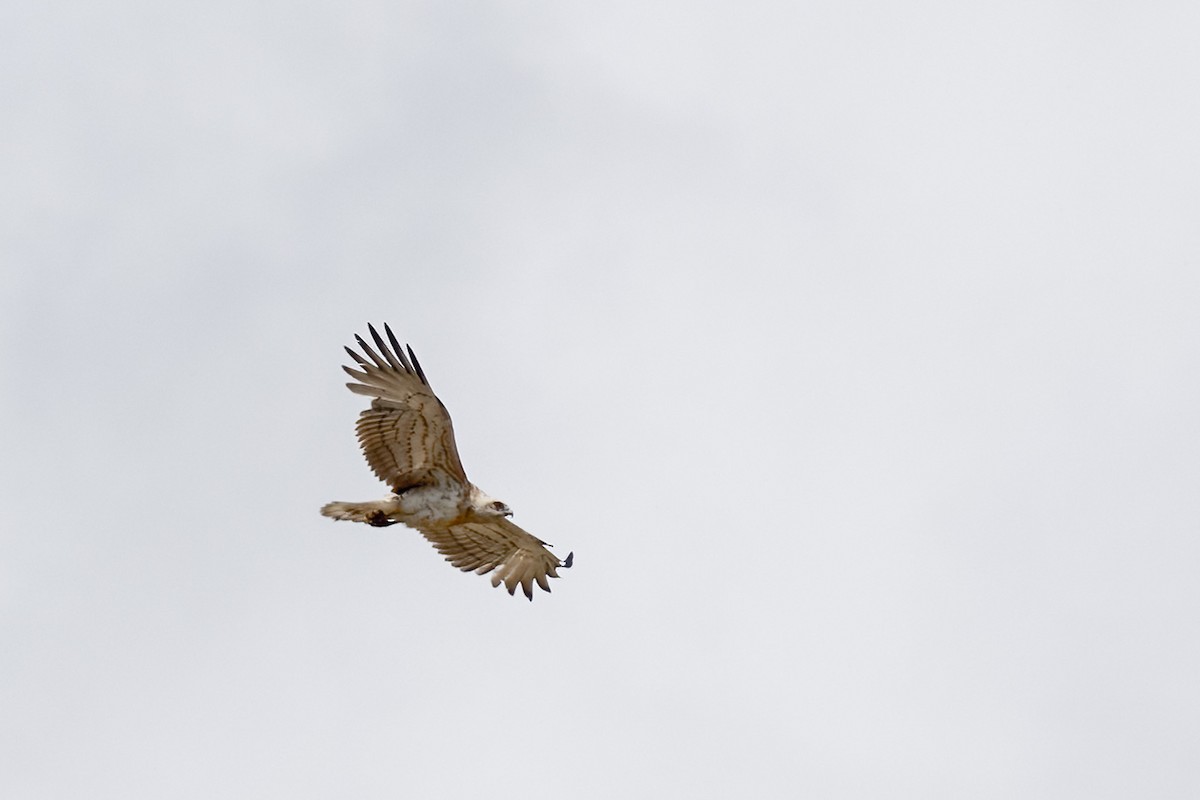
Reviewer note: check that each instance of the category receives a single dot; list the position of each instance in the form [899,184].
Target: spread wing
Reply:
[406,434]
[518,557]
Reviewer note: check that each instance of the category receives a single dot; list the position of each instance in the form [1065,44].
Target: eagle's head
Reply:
[499,508]
[487,506]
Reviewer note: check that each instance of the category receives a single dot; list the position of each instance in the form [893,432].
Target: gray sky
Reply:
[853,348]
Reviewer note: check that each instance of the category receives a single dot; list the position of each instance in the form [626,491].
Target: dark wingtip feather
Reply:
[371,354]
[384,349]
[417,366]
[400,352]
[396,348]
[375,335]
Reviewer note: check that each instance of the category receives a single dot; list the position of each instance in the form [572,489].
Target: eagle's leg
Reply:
[379,519]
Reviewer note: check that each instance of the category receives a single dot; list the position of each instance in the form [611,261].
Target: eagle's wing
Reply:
[406,434]
[518,557]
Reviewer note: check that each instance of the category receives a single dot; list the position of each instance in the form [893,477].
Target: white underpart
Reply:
[428,504]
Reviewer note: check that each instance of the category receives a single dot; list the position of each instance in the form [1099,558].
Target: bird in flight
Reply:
[408,441]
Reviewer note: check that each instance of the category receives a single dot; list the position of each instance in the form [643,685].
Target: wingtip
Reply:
[416,365]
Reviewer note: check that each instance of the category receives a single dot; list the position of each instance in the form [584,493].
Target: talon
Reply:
[570,560]
[379,519]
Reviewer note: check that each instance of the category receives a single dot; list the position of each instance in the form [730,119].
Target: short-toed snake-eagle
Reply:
[408,440]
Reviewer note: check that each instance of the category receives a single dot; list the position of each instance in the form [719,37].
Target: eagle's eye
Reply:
[499,508]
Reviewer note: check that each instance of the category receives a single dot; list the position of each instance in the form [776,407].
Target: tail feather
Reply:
[371,512]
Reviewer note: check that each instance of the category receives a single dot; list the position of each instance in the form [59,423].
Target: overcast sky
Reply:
[853,348]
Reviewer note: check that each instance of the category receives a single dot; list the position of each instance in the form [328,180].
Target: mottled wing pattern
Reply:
[406,434]
[517,557]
